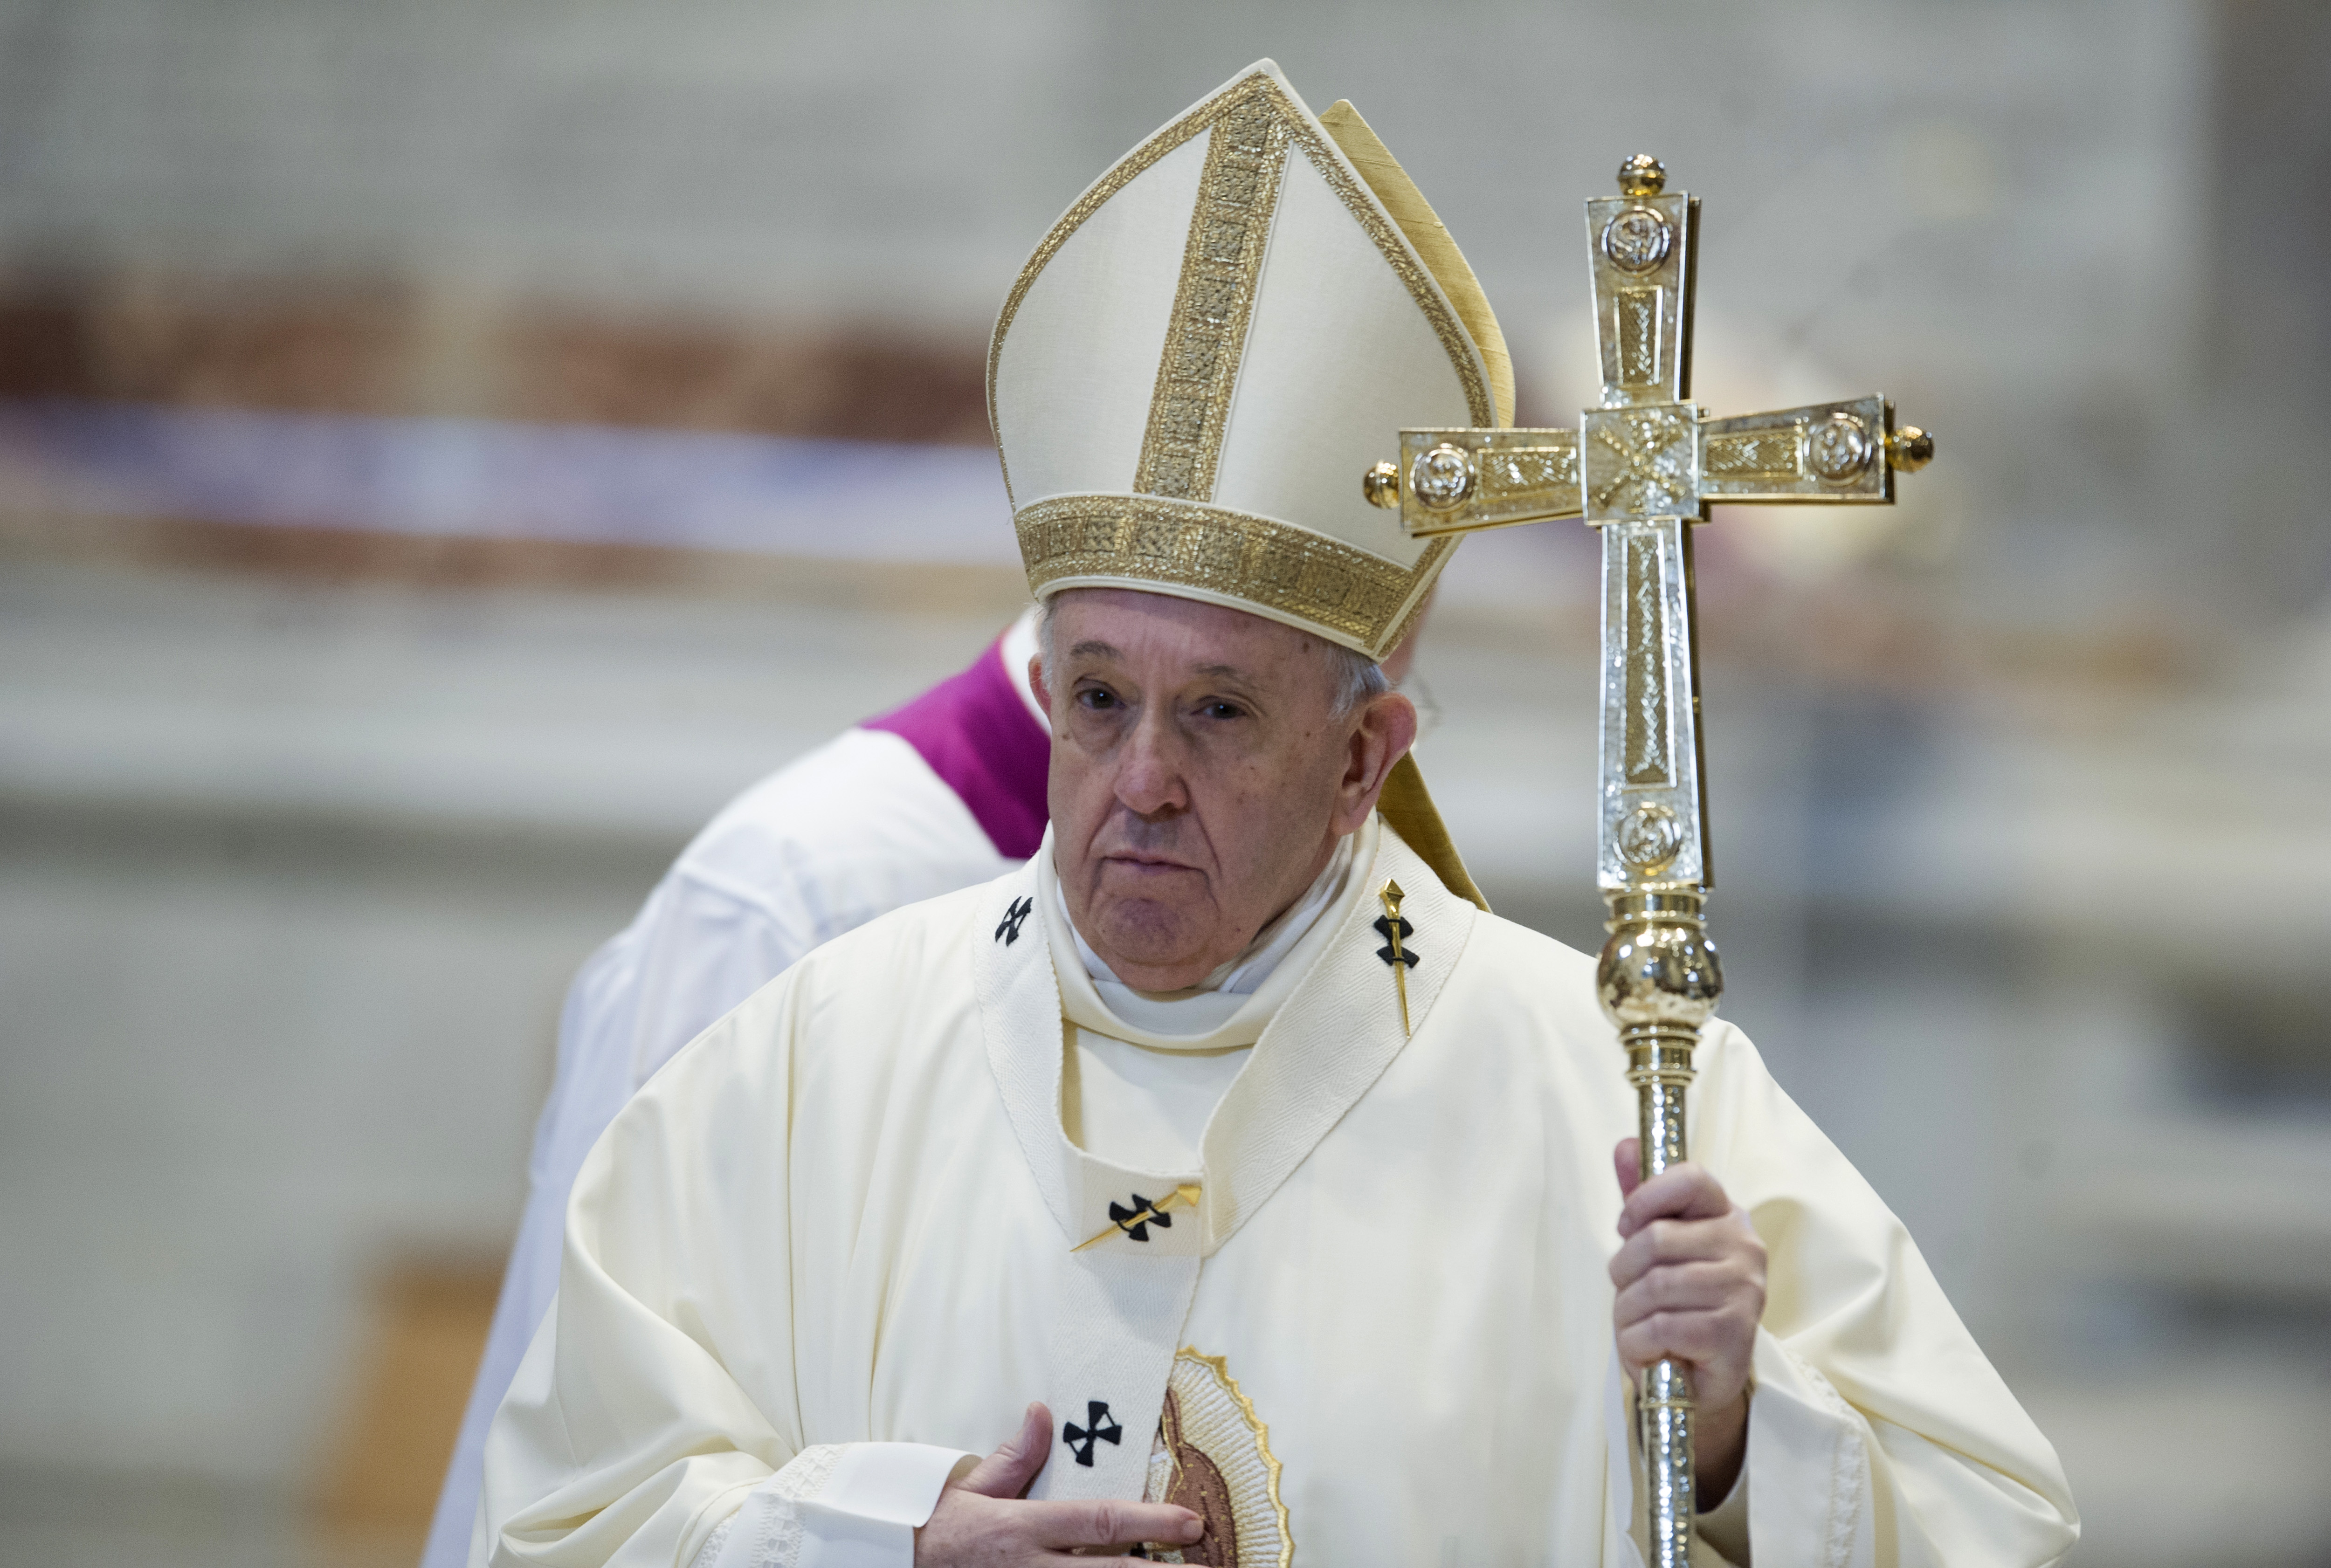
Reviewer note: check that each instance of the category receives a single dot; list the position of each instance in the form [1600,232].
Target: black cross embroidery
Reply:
[1096,1412]
[1009,931]
[1408,954]
[1142,1214]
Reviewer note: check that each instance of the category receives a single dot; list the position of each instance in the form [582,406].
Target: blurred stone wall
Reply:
[302,830]
[800,217]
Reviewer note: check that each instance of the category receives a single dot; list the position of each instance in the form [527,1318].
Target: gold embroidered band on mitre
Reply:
[1246,559]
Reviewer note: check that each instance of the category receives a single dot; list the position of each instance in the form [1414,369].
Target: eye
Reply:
[1097,698]
[1221,708]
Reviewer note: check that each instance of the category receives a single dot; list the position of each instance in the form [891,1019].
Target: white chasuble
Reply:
[1375,1330]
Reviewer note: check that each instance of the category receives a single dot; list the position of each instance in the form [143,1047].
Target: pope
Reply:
[1228,1175]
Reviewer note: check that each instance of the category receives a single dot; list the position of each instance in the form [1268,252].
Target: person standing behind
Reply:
[946,792]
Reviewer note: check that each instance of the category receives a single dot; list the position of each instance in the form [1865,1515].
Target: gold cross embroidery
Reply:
[1185,1196]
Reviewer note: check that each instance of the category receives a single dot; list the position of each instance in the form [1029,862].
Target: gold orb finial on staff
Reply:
[1642,176]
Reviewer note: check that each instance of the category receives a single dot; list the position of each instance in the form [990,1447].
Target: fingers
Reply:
[1683,1287]
[1059,1526]
[1681,1191]
[1007,1472]
[1717,1345]
[1662,1242]
[977,1531]
[1689,1288]
[1628,1159]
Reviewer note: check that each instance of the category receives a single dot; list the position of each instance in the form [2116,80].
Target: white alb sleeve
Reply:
[837,1505]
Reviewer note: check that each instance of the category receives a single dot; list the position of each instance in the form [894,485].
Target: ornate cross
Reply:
[1641,469]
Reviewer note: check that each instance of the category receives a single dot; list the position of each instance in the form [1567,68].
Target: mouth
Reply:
[1134,862]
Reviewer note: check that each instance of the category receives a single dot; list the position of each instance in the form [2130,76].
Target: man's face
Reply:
[1201,775]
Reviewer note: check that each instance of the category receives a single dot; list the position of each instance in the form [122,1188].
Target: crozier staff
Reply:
[1227,1163]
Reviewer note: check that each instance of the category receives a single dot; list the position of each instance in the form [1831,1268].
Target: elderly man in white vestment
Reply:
[1227,1176]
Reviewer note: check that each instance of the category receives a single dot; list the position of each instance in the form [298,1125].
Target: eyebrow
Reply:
[1094,648]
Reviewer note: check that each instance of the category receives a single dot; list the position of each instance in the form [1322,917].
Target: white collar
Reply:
[1339,1028]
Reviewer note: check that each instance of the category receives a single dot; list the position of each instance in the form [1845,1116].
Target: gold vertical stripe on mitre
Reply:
[1429,292]
[1206,336]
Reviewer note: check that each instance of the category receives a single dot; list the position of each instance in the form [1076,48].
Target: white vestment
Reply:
[850,1214]
[855,828]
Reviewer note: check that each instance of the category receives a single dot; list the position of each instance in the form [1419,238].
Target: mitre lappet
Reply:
[1206,351]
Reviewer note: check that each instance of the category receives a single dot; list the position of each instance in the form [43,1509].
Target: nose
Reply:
[1150,781]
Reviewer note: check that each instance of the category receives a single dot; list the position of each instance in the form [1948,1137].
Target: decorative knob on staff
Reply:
[1642,468]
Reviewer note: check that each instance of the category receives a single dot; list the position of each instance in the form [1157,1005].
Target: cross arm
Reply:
[1459,481]
[1823,452]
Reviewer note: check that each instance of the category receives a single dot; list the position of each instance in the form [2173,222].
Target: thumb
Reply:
[1006,1472]
[1628,1157]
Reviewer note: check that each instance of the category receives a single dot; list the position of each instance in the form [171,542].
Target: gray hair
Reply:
[1358,678]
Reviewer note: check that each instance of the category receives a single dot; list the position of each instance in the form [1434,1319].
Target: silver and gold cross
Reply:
[1641,469]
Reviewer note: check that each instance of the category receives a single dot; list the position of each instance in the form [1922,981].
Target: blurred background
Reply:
[446,450]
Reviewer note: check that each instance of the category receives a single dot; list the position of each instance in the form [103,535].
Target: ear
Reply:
[1044,693]
[1381,735]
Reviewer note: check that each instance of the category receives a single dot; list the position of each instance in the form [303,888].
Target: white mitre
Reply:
[1213,345]
[1209,349]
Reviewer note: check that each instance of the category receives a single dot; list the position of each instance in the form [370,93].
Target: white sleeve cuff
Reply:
[1808,1466]
[837,1505]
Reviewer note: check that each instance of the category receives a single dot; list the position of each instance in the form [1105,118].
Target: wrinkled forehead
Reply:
[1131,624]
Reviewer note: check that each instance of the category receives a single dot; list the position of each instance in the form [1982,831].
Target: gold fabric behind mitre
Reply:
[1211,346]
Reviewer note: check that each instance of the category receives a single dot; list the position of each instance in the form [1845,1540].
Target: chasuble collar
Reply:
[1338,1025]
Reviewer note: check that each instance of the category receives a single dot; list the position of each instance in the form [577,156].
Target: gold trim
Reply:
[1755,454]
[1638,319]
[1220,1367]
[1213,299]
[1276,566]
[1418,281]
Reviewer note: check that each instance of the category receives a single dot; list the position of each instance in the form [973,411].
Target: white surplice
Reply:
[849,1214]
